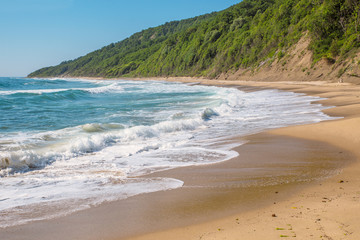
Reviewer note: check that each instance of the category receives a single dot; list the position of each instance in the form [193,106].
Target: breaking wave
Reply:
[72,143]
[114,87]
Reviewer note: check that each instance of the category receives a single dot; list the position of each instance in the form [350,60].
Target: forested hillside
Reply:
[246,35]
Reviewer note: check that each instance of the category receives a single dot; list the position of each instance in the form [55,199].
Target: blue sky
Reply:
[40,33]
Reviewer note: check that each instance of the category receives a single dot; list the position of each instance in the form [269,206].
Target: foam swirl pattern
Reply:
[68,144]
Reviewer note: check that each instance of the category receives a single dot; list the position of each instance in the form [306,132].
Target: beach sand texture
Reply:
[212,205]
[328,209]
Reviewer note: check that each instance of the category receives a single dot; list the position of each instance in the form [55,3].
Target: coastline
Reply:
[240,221]
[326,209]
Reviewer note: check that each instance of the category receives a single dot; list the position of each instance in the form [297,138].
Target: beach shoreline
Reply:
[257,221]
[325,209]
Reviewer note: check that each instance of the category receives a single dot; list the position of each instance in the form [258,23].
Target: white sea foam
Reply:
[69,169]
[114,87]
[35,91]
[80,144]
[61,198]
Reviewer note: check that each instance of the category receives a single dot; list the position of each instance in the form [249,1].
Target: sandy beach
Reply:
[217,203]
[208,120]
[326,209]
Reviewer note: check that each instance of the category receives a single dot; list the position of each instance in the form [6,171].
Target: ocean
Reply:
[70,144]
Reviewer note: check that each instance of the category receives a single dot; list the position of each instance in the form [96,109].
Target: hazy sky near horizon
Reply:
[40,33]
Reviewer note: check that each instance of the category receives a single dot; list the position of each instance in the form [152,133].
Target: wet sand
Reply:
[325,209]
[258,195]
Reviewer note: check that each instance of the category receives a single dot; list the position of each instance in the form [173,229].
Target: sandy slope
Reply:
[319,210]
[326,210]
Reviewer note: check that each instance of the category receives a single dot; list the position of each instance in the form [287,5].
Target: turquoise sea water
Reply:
[68,144]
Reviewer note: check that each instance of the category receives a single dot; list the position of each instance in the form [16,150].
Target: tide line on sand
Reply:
[325,208]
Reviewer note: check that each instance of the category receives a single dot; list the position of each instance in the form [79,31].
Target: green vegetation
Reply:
[248,34]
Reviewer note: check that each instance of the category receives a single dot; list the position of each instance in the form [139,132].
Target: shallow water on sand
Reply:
[69,144]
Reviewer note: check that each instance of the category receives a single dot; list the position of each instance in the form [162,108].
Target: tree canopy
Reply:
[241,36]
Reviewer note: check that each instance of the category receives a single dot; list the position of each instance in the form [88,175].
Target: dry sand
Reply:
[214,204]
[328,209]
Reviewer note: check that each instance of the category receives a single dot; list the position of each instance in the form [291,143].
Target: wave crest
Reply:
[208,113]
[91,138]
[98,127]
[114,87]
